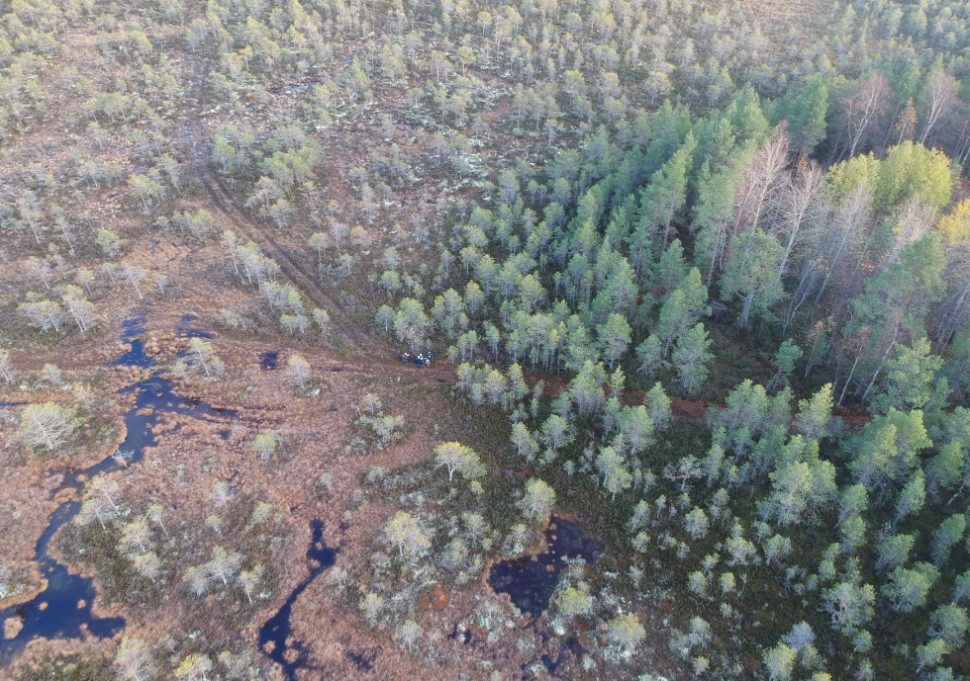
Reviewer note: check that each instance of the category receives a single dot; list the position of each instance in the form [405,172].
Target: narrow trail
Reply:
[292,270]
[392,369]
[197,143]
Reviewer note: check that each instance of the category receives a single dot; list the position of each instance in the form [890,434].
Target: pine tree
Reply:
[752,274]
[815,414]
[949,533]
[682,309]
[614,338]
[690,358]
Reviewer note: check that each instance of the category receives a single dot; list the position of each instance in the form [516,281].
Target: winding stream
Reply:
[63,609]
[274,634]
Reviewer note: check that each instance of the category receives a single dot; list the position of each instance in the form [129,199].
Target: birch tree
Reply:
[7,370]
[862,106]
[80,308]
[763,176]
[297,371]
[457,458]
[753,274]
[48,426]
[941,95]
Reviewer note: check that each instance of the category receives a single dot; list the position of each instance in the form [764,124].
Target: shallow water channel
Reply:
[63,609]
[274,634]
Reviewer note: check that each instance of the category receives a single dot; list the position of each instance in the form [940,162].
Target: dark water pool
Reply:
[531,583]
[187,328]
[268,360]
[132,330]
[278,628]
[63,609]
[570,649]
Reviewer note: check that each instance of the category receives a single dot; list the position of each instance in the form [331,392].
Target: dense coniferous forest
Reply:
[689,285]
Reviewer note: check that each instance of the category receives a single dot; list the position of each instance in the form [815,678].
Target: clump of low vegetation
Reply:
[377,429]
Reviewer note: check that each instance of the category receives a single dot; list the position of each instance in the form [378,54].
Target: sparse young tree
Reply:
[108,243]
[95,508]
[7,371]
[625,633]
[80,308]
[322,319]
[197,578]
[223,564]
[135,276]
[194,667]
[154,513]
[264,445]
[105,488]
[199,357]
[942,94]
[863,104]
[136,537]
[319,242]
[371,606]
[134,659]
[537,501]
[248,580]
[148,565]
[403,532]
[457,458]
[406,636]
[43,314]
[297,371]
[574,601]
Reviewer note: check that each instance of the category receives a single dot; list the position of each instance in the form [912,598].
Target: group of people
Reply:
[422,360]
